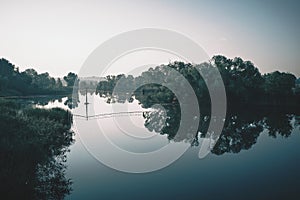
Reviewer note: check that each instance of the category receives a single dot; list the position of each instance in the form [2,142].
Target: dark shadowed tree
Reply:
[279,83]
[70,79]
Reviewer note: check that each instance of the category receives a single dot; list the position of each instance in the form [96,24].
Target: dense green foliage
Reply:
[29,82]
[32,146]
[243,82]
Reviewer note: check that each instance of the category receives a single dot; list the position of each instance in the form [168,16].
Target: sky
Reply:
[58,36]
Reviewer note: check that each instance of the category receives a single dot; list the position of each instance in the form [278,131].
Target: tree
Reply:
[242,80]
[70,79]
[6,68]
[279,83]
[28,82]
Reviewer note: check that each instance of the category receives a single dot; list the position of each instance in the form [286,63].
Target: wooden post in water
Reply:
[86,105]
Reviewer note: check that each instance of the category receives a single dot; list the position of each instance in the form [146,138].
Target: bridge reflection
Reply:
[109,115]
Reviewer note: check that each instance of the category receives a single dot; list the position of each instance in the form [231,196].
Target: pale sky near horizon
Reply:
[57,36]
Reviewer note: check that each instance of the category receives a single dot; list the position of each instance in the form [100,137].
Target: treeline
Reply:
[30,82]
[33,143]
[244,84]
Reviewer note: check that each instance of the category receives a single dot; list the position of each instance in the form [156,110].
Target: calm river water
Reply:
[249,163]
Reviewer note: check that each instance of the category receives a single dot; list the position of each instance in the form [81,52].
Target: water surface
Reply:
[264,164]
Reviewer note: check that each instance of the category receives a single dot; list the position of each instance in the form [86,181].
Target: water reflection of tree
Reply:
[241,129]
[33,143]
[245,87]
[72,100]
[297,121]
[39,100]
[164,120]
[51,182]
[240,132]
[279,124]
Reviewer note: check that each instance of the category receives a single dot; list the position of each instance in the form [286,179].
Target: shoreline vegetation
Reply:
[244,85]
[33,141]
[30,82]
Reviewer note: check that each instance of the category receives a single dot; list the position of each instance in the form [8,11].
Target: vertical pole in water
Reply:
[86,105]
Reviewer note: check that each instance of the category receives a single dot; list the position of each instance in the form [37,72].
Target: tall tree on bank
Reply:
[70,79]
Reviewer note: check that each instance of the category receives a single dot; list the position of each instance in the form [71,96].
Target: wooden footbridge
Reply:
[106,115]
